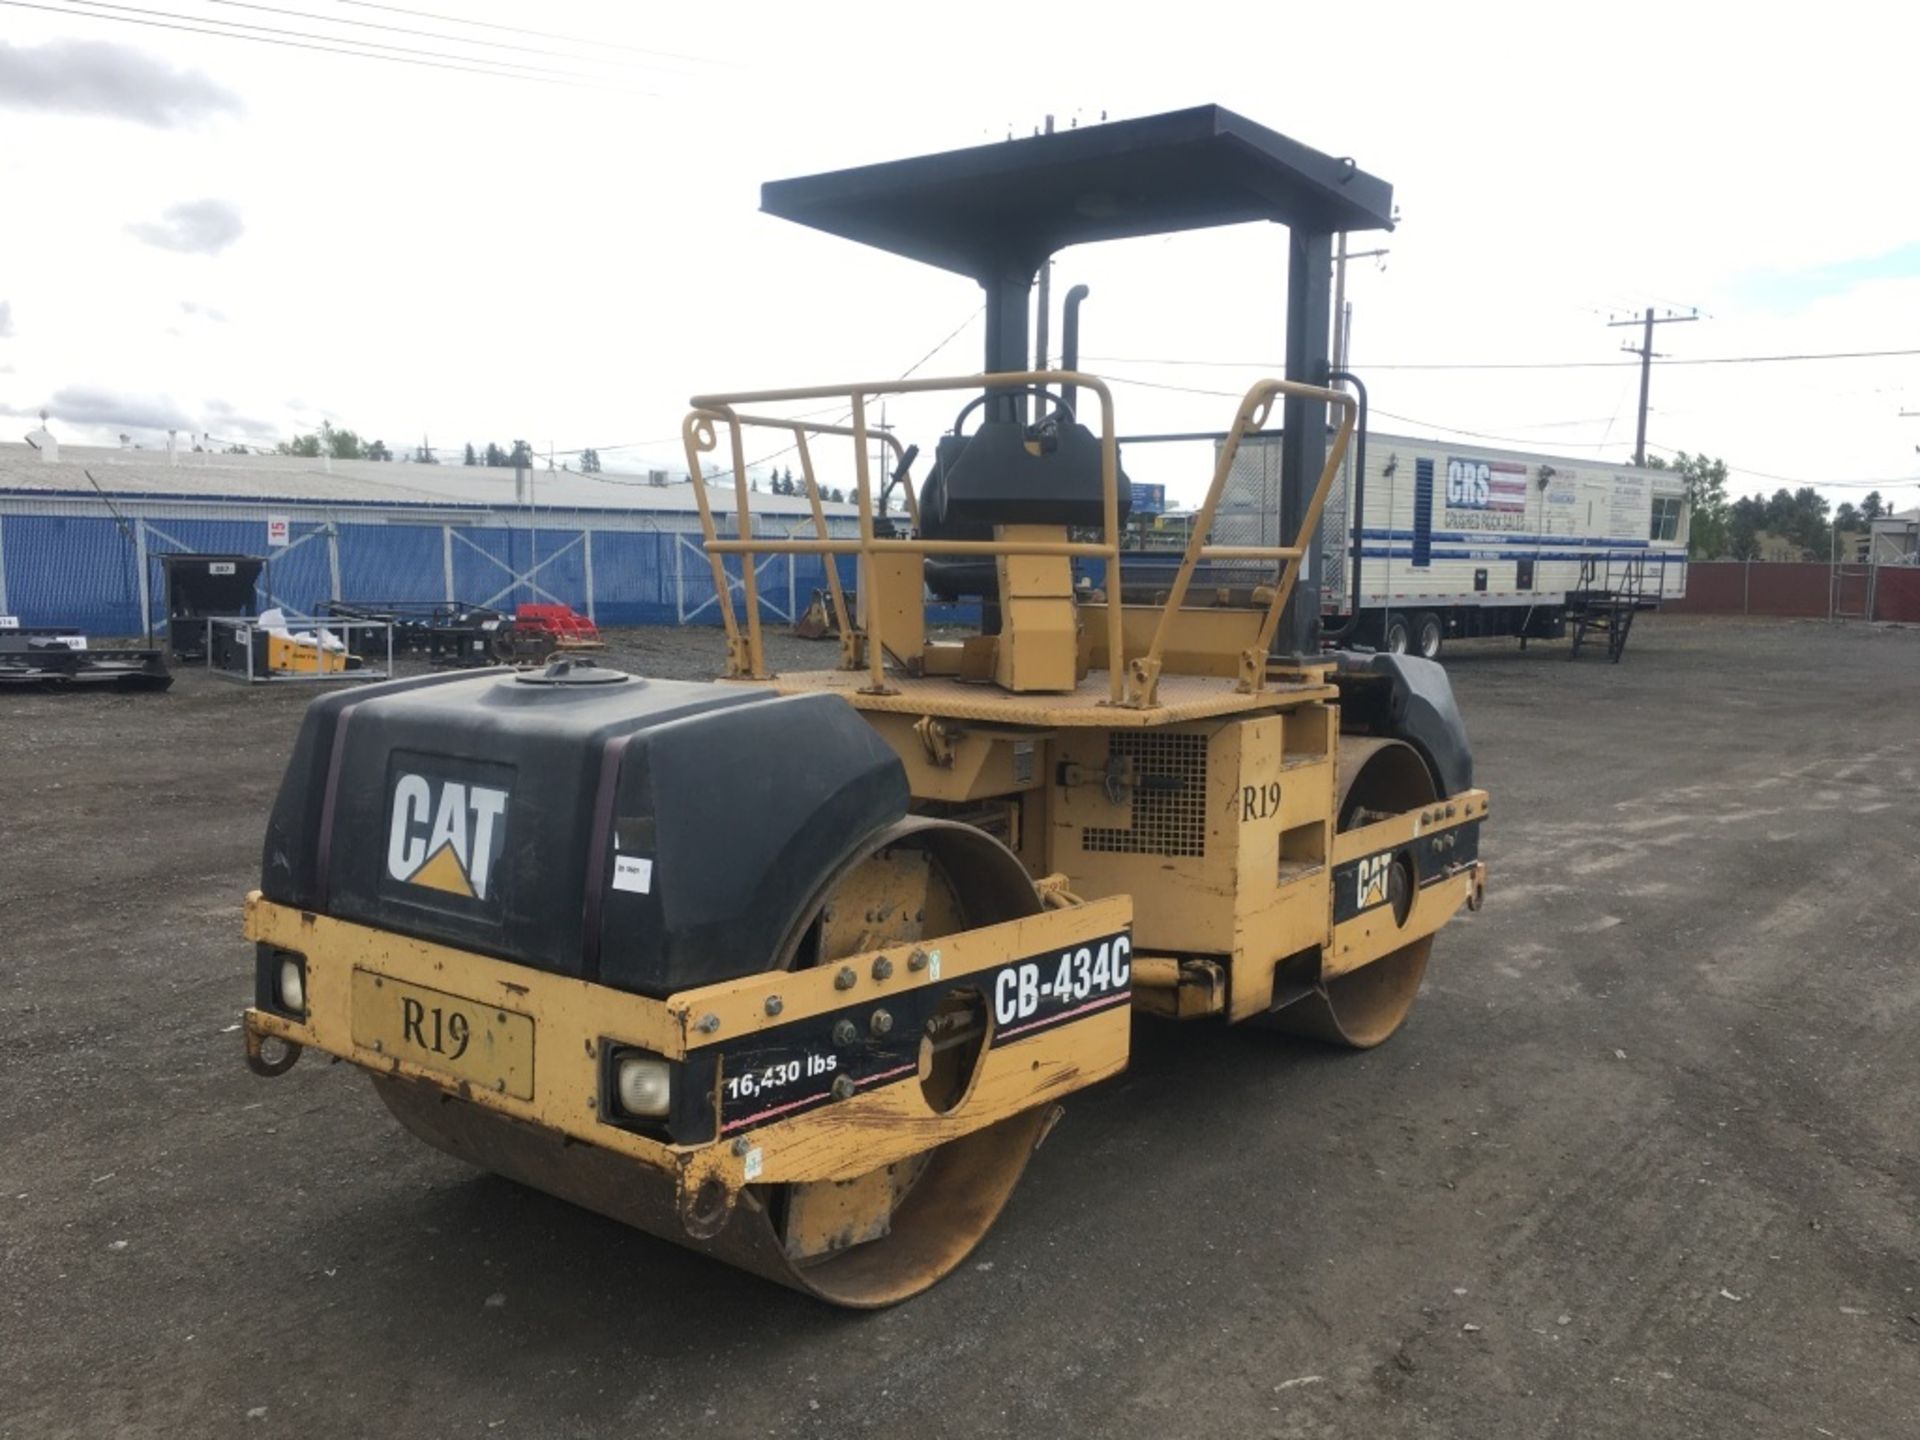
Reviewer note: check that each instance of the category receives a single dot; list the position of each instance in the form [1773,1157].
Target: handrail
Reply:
[800,430]
[1143,674]
[746,654]
[1132,683]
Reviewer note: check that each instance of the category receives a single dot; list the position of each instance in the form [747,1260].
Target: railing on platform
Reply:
[1130,682]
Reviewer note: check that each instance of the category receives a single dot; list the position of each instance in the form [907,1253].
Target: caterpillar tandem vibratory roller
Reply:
[796,968]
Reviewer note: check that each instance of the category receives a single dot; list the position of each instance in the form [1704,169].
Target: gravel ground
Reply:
[1642,1164]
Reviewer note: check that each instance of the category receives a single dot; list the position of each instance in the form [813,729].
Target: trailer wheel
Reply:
[1396,634]
[1429,633]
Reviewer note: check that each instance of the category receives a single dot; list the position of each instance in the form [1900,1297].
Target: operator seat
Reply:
[1008,472]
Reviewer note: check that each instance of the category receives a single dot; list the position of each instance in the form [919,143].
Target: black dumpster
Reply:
[199,586]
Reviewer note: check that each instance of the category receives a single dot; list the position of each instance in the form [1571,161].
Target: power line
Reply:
[1405,419]
[952,335]
[511,45]
[669,439]
[1480,435]
[356,43]
[906,374]
[1526,364]
[541,34]
[1530,444]
[1893,480]
[347,48]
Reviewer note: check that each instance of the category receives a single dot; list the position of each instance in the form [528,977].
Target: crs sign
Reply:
[1486,485]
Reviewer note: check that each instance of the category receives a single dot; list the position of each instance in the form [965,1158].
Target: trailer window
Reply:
[1666,517]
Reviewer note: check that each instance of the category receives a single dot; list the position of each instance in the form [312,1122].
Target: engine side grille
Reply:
[1169,798]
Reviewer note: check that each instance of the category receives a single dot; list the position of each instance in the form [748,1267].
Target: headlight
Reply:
[293,987]
[645,1087]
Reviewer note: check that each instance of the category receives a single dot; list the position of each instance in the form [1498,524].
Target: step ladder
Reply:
[1613,589]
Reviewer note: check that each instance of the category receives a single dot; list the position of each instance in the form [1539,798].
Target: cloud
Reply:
[193,227]
[100,408]
[98,77]
[224,416]
[6,318]
[94,405]
[204,311]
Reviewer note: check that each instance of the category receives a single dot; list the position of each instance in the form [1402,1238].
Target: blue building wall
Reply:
[83,570]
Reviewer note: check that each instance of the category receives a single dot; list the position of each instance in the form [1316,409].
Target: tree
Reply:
[1811,529]
[422,453]
[589,462]
[1706,482]
[1798,517]
[496,458]
[472,459]
[1746,518]
[1872,508]
[522,457]
[1846,517]
[340,444]
[377,450]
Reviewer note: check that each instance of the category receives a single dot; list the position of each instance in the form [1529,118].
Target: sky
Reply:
[243,239]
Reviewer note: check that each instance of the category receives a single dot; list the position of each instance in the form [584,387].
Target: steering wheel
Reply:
[1060,406]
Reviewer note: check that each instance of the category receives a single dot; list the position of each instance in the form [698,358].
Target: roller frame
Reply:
[836,1141]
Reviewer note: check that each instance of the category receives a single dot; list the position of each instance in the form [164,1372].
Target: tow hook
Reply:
[267,1063]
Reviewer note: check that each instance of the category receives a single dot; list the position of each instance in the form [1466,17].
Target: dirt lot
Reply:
[1642,1164]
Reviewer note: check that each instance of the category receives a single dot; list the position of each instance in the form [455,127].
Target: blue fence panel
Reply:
[392,562]
[71,570]
[488,559]
[299,575]
[482,566]
[633,580]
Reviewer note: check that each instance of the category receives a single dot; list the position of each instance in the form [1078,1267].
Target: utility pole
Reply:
[1645,351]
[1342,312]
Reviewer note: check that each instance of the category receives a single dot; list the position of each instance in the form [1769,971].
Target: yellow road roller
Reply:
[795,968]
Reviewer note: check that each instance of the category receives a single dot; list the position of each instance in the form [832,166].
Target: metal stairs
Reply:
[1613,589]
